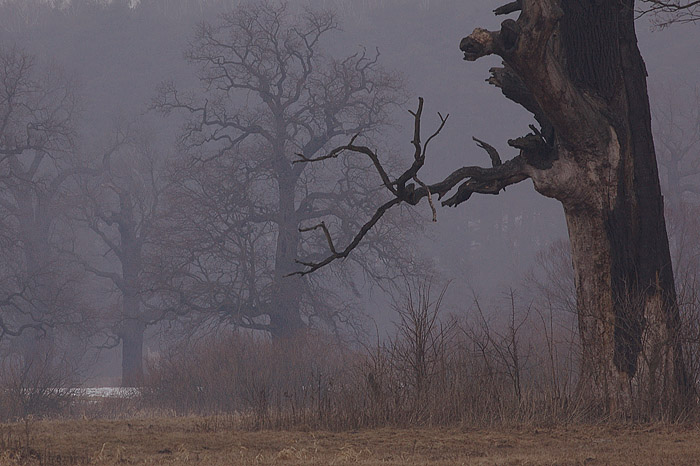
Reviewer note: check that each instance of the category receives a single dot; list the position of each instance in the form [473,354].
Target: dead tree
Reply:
[575,65]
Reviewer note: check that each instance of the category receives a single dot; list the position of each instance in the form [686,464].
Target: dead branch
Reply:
[668,12]
[471,179]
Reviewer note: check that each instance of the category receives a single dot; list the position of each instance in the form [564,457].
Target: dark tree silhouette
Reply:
[269,93]
[121,203]
[37,112]
[676,126]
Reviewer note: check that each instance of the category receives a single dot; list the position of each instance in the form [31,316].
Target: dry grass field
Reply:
[209,441]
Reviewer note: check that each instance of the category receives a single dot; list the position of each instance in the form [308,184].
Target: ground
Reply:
[209,441]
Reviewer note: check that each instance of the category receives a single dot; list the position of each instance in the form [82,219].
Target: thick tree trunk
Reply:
[576,66]
[629,354]
[624,273]
[624,281]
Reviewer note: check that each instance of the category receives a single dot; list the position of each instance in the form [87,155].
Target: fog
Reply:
[115,56]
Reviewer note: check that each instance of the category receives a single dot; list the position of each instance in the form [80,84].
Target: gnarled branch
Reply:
[472,179]
[529,57]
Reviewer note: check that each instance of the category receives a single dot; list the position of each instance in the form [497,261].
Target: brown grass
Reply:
[211,441]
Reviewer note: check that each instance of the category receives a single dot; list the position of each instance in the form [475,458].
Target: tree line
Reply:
[209,232]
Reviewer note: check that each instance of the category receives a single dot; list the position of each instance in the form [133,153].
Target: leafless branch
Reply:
[473,180]
[667,12]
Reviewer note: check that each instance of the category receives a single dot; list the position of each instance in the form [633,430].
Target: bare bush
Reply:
[34,385]
[272,382]
[432,370]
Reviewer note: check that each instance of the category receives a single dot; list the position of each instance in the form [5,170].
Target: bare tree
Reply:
[269,93]
[676,126]
[121,204]
[38,291]
[677,134]
[421,339]
[576,67]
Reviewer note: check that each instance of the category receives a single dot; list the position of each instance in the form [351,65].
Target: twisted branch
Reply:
[471,179]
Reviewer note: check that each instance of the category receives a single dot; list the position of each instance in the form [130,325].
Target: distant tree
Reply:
[39,289]
[120,203]
[44,317]
[269,93]
[575,65]
[676,126]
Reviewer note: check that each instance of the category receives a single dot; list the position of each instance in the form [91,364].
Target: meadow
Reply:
[216,441]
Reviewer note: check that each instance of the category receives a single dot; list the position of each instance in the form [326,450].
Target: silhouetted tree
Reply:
[121,201]
[37,110]
[269,93]
[676,126]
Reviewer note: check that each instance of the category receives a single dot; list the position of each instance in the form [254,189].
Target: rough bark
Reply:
[589,80]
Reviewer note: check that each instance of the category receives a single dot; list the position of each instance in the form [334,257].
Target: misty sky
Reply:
[118,56]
